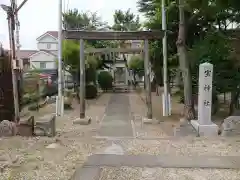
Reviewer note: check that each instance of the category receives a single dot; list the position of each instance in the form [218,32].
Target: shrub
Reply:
[105,80]
[91,75]
[29,98]
[35,107]
[91,91]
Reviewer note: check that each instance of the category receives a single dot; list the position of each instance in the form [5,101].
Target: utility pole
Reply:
[60,101]
[166,103]
[13,24]
[18,45]
[14,62]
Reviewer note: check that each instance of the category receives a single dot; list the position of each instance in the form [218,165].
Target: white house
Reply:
[46,56]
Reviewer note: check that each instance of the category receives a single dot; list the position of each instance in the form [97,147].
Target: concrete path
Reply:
[166,161]
[117,120]
[92,169]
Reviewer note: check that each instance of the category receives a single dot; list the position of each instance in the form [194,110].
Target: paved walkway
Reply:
[117,121]
[164,161]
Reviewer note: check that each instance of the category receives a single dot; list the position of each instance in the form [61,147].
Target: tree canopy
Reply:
[125,21]
[206,38]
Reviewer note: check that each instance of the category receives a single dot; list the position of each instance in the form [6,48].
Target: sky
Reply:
[38,16]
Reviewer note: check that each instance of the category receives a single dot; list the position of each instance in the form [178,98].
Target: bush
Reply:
[91,75]
[35,107]
[105,80]
[29,98]
[91,91]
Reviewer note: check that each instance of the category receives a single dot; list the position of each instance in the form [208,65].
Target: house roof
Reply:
[45,51]
[54,34]
[24,54]
[54,53]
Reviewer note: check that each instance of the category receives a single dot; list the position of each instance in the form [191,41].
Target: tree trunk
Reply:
[234,100]
[189,112]
[215,103]
[179,78]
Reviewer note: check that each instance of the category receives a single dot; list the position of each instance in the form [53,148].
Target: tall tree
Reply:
[189,112]
[200,18]
[125,21]
[73,19]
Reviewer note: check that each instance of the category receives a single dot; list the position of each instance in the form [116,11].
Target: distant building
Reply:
[45,56]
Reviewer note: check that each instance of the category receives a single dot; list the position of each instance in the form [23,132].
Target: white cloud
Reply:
[39,16]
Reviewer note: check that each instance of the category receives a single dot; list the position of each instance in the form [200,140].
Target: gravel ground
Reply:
[126,173]
[184,146]
[139,110]
[42,158]
[35,158]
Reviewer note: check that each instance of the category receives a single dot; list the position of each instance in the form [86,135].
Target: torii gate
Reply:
[114,35]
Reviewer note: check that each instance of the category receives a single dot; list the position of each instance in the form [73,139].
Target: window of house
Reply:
[48,46]
[42,65]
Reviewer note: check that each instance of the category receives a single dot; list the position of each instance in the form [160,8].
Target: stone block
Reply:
[205,130]
[231,126]
[26,126]
[83,121]
[8,128]
[46,126]
[184,129]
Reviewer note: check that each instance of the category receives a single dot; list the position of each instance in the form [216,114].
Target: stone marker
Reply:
[204,124]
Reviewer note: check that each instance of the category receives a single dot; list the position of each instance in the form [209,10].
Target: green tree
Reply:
[136,64]
[75,20]
[152,11]
[215,48]
[71,59]
[125,21]
[71,56]
[189,112]
[199,17]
